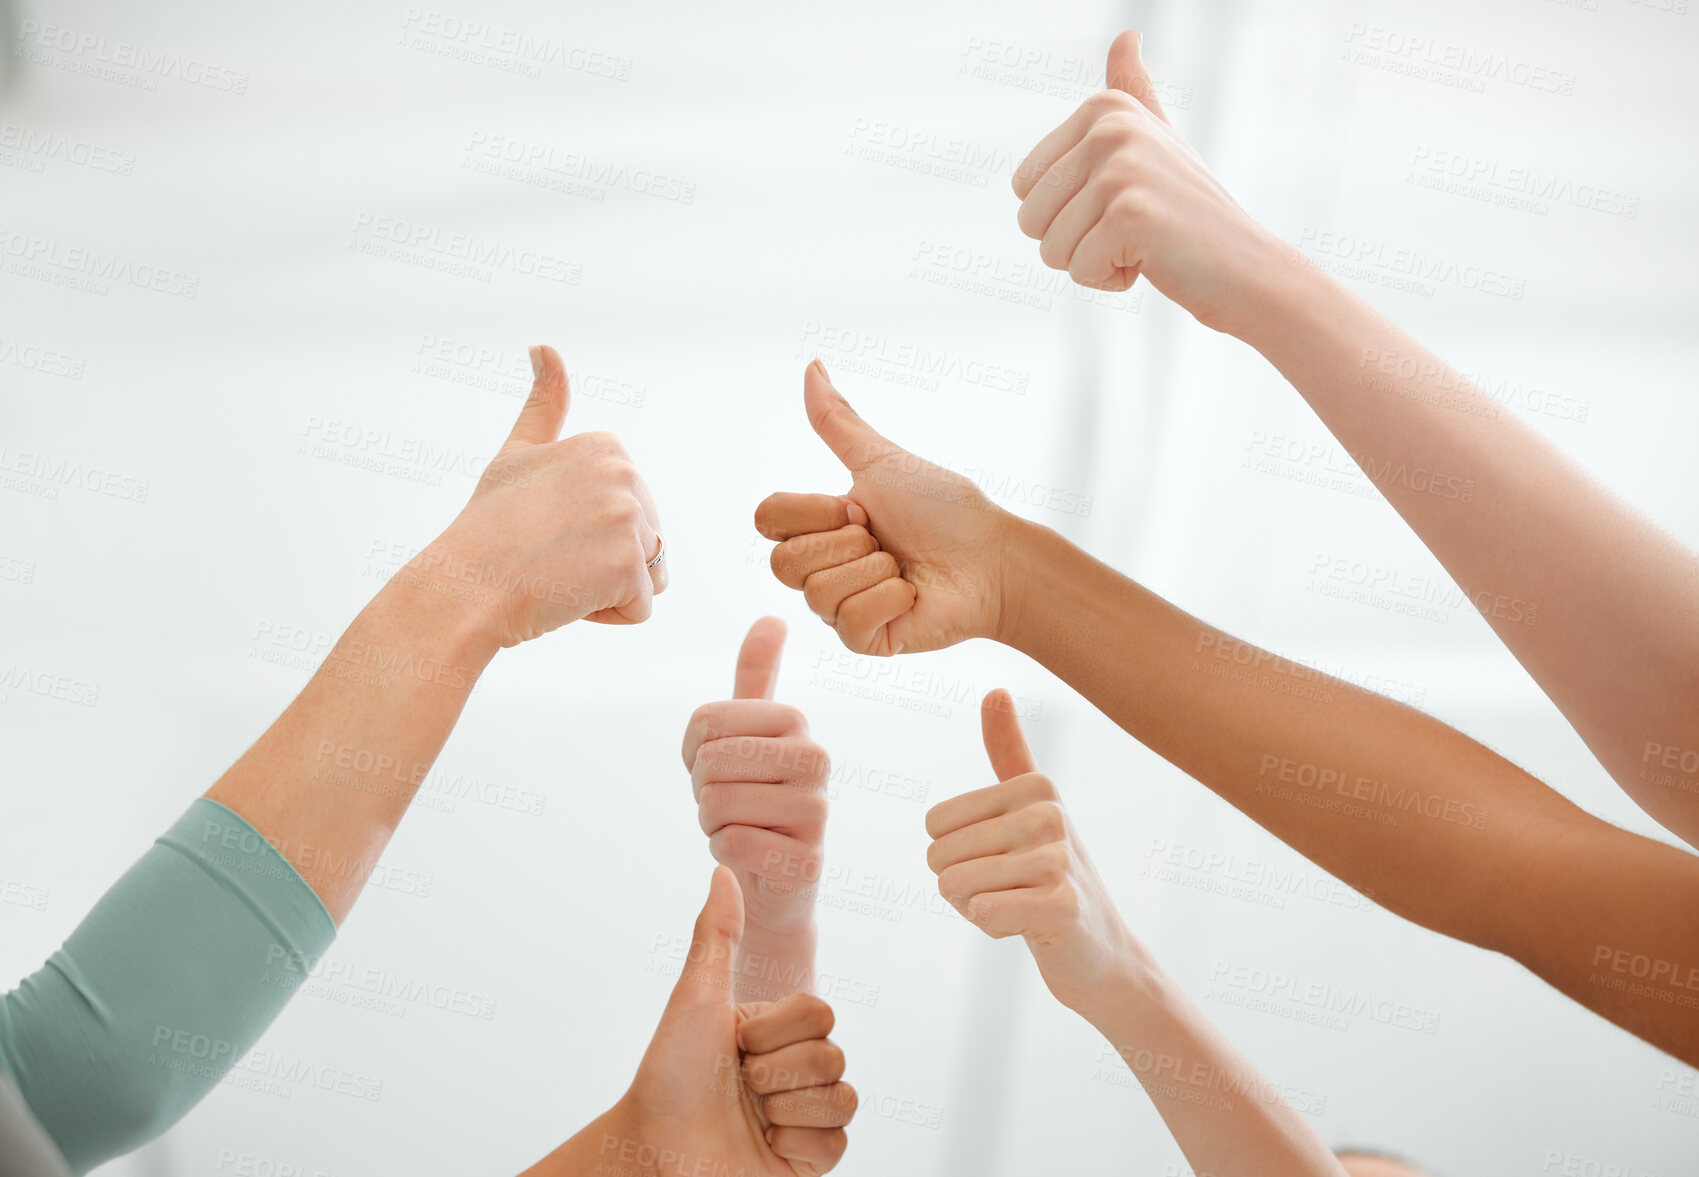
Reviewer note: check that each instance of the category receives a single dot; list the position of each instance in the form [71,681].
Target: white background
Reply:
[810,138]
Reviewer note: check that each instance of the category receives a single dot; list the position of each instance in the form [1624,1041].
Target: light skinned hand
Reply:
[1008,858]
[723,1088]
[557,529]
[911,558]
[1116,191]
[760,787]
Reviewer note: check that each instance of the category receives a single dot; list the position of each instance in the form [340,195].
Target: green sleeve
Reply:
[170,980]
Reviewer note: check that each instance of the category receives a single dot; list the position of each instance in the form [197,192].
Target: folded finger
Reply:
[1006,913]
[785,866]
[1101,260]
[780,808]
[1000,872]
[830,587]
[758,718]
[798,1018]
[821,1148]
[996,835]
[1052,148]
[1055,189]
[978,805]
[784,514]
[801,556]
[862,618]
[832,1106]
[816,1063]
[795,761]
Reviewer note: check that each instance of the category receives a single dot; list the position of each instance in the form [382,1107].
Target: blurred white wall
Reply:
[734,190]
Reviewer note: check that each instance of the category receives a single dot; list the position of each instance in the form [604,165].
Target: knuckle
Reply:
[1043,788]
[828,1060]
[1044,819]
[935,858]
[1054,862]
[1107,102]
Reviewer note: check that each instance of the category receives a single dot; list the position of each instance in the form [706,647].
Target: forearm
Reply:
[1398,805]
[1599,604]
[774,963]
[1434,826]
[1226,1118]
[330,780]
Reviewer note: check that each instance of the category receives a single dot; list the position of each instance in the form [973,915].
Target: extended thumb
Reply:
[707,971]
[856,443]
[1126,72]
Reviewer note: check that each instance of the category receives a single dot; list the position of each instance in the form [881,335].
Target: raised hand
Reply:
[760,788]
[912,558]
[723,1088]
[1116,191]
[1009,860]
[556,530]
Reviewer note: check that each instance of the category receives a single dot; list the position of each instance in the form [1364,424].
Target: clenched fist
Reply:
[912,558]
[556,530]
[760,788]
[1008,859]
[1115,192]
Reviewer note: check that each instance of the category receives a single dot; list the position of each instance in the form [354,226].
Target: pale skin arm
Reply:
[1433,825]
[1599,604]
[760,788]
[557,531]
[1008,858]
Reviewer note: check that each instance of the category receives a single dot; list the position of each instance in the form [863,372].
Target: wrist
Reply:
[1136,994]
[451,620]
[1032,555]
[774,962]
[1281,298]
[613,1142]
